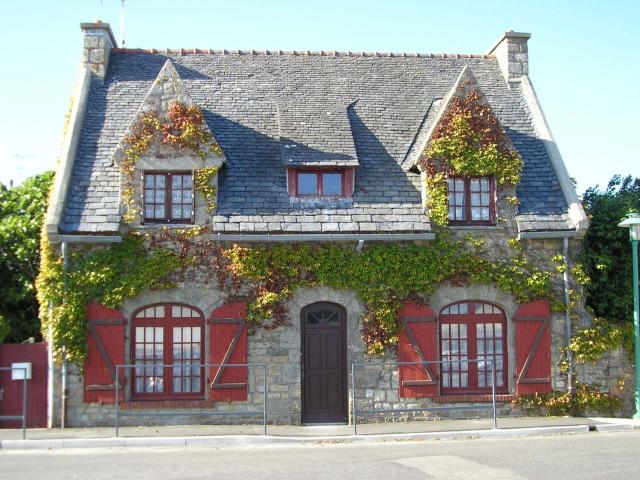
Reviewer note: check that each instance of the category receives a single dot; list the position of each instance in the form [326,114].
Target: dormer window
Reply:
[320,183]
[471,200]
[168,197]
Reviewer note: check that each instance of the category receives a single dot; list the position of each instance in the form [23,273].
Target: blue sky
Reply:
[584,60]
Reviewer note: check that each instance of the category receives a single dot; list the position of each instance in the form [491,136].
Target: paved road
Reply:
[583,456]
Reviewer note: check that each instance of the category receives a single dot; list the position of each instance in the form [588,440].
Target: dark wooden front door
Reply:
[323,364]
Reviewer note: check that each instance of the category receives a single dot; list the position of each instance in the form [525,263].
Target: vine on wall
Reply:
[383,276]
[468,141]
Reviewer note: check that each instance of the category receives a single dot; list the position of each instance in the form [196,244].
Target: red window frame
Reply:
[167,321]
[474,369]
[168,198]
[319,189]
[466,206]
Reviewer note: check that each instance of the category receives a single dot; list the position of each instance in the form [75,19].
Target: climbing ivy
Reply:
[585,398]
[265,276]
[468,141]
[202,178]
[106,275]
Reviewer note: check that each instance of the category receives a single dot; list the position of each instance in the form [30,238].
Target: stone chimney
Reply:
[512,54]
[98,40]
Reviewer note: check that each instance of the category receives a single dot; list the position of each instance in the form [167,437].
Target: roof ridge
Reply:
[317,53]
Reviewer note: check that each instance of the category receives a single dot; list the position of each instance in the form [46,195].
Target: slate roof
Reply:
[254,104]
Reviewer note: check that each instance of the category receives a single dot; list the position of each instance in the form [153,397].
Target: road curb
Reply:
[254,440]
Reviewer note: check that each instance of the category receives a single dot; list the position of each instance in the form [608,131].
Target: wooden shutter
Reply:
[292,181]
[348,182]
[105,342]
[533,348]
[228,346]
[417,342]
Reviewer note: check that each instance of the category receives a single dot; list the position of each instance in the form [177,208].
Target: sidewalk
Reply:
[239,435]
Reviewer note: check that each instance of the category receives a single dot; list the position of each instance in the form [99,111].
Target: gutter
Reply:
[321,237]
[58,198]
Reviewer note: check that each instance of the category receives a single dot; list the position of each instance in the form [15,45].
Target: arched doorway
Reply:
[472,330]
[324,363]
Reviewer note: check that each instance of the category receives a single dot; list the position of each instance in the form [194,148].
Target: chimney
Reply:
[98,41]
[512,54]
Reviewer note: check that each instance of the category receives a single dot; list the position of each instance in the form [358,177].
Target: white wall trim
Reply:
[58,197]
[576,212]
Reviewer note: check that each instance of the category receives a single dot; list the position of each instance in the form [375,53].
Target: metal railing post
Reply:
[353,399]
[117,400]
[493,395]
[24,403]
[264,397]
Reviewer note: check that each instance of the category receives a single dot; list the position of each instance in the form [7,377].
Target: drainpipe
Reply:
[50,370]
[63,399]
[567,320]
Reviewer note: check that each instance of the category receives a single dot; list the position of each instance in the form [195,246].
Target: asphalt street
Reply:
[583,456]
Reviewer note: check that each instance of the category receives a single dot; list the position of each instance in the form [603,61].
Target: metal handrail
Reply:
[431,362]
[262,366]
[22,417]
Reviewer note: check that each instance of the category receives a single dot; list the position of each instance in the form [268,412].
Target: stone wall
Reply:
[376,387]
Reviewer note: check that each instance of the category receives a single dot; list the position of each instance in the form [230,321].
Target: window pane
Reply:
[331,184]
[176,181]
[485,199]
[475,199]
[307,184]
[149,181]
[159,181]
[484,183]
[186,211]
[476,213]
[160,196]
[484,213]
[176,196]
[475,185]
[186,196]
[186,182]
[176,212]
[148,196]
[148,212]
[159,212]
[463,310]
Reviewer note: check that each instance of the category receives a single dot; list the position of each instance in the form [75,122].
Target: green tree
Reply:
[606,253]
[22,210]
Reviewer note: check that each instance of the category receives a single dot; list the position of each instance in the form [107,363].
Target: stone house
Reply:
[319,148]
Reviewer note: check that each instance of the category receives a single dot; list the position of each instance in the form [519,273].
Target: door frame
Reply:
[343,346]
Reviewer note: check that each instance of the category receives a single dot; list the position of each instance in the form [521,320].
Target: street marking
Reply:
[451,467]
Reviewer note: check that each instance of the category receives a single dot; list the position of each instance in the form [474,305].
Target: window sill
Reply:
[153,404]
[474,398]
[458,226]
[150,226]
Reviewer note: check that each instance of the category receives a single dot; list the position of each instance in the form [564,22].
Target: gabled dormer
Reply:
[317,149]
[168,159]
[467,161]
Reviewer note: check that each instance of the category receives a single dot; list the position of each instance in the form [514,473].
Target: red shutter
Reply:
[229,346]
[292,179]
[533,348]
[417,342]
[348,182]
[105,342]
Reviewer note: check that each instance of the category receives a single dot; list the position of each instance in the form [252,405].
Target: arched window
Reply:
[167,334]
[472,330]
